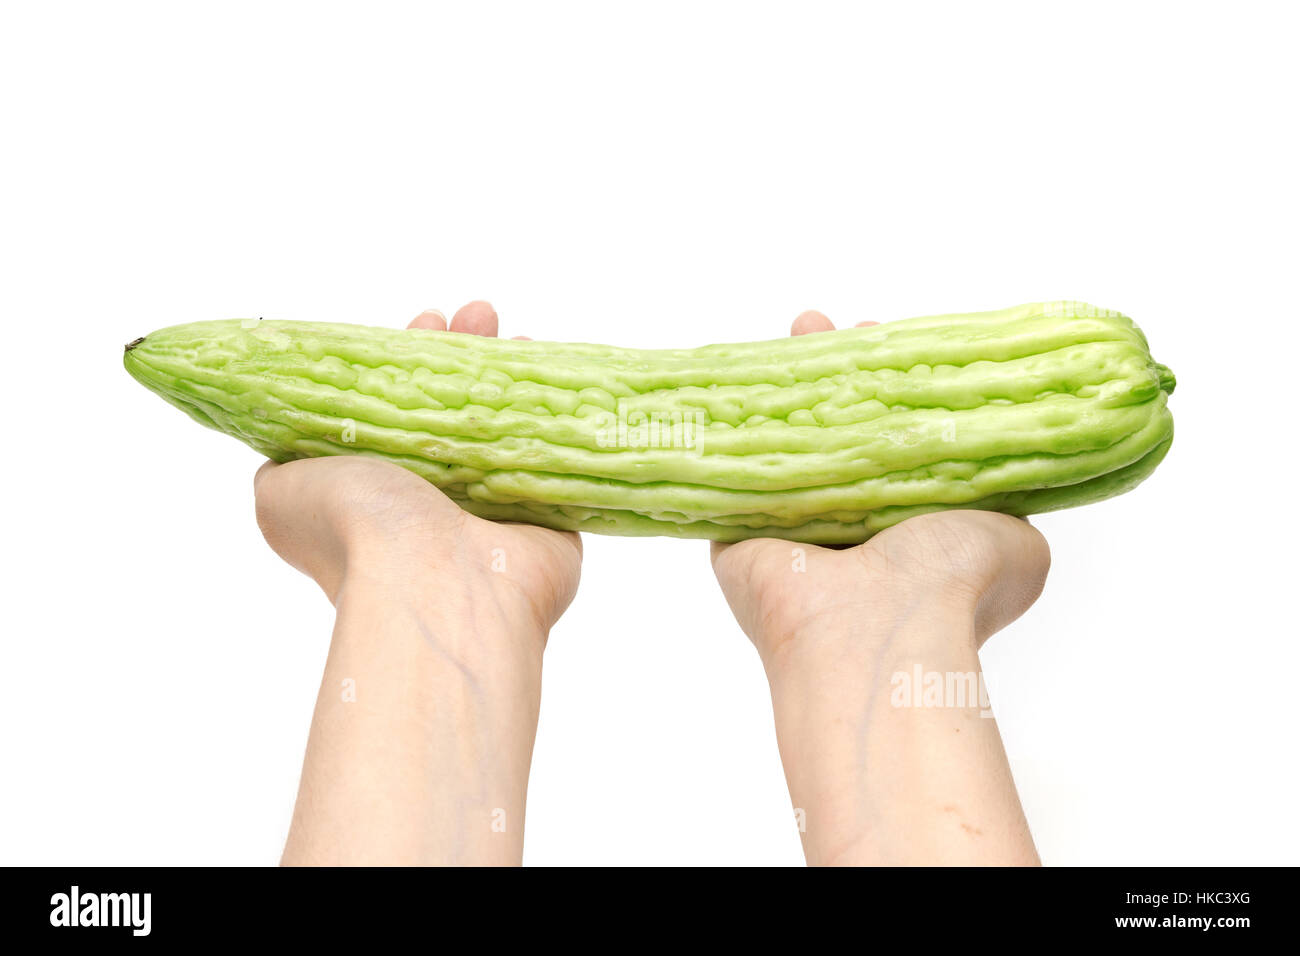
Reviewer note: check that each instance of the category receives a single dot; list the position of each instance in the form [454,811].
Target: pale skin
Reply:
[422,736]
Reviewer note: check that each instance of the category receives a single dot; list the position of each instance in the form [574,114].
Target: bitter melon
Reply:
[823,438]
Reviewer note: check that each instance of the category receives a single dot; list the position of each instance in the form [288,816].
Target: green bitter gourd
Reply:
[824,438]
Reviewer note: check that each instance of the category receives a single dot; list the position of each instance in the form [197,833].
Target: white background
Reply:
[654,175]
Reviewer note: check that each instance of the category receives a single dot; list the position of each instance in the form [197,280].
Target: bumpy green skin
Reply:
[824,438]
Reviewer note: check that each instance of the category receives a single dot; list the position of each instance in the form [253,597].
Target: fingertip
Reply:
[520,338]
[429,319]
[476,318]
[865,324]
[811,321]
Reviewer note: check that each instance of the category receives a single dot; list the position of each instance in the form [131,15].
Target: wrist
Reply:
[871,636]
[456,618]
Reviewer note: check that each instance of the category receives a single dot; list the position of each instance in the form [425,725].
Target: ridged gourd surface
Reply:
[824,438]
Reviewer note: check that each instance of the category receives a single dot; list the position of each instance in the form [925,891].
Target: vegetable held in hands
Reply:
[823,438]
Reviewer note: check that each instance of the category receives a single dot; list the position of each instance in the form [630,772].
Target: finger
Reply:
[811,321]
[429,319]
[476,318]
[521,338]
[866,324]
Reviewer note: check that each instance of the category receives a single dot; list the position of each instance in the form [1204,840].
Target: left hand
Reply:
[337,517]
[441,622]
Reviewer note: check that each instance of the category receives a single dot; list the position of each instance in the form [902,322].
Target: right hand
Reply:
[980,565]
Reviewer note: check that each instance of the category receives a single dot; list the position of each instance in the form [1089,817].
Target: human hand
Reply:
[985,566]
[330,517]
[879,777]
[422,737]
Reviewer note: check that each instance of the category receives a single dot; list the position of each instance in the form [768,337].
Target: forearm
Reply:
[423,731]
[889,751]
